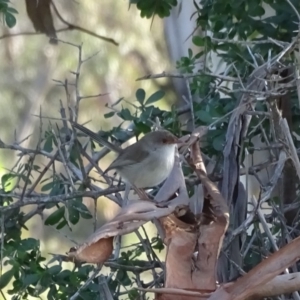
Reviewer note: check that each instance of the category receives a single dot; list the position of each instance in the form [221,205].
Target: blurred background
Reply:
[30,64]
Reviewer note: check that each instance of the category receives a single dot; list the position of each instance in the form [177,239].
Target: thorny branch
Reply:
[260,88]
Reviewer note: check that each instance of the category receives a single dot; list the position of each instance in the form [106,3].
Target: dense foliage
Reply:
[240,34]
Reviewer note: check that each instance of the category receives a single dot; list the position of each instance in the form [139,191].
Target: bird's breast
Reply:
[154,169]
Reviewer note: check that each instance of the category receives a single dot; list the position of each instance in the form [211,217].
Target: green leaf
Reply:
[219,25]
[83,210]
[55,217]
[149,8]
[139,250]
[28,244]
[140,96]
[12,10]
[198,41]
[48,143]
[123,277]
[6,278]
[125,114]
[7,181]
[133,294]
[155,97]
[218,143]
[3,7]
[159,245]
[47,186]
[65,274]
[256,11]
[142,127]
[204,116]
[109,115]
[62,224]
[58,187]
[10,20]
[73,214]
[31,279]
[52,294]
[54,270]
[36,167]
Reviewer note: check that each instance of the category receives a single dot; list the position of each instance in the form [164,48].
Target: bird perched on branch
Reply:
[146,163]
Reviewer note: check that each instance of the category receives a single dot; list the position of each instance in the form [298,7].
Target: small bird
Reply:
[144,164]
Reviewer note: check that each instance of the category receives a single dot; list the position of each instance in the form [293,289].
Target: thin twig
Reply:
[95,273]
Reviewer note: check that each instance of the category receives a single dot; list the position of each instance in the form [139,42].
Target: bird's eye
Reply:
[164,141]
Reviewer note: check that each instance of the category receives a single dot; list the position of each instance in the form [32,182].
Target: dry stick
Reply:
[263,131]
[92,96]
[247,167]
[39,198]
[72,27]
[59,147]
[146,248]
[3,294]
[135,269]
[178,75]
[295,10]
[87,182]
[65,236]
[151,249]
[65,125]
[31,189]
[276,175]
[24,151]
[94,164]
[269,235]
[190,103]
[77,172]
[264,223]
[244,43]
[77,294]
[102,281]
[174,291]
[297,76]
[31,159]
[280,284]
[25,33]
[242,228]
[69,27]
[249,244]
[285,128]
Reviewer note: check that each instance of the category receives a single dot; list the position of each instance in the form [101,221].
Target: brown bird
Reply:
[146,163]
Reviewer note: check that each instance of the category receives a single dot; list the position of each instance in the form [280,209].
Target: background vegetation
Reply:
[45,177]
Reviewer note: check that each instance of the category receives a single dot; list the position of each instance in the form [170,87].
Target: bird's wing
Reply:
[126,159]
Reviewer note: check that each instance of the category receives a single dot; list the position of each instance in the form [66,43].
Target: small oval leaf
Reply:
[10,20]
[6,278]
[55,217]
[140,96]
[204,116]
[155,97]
